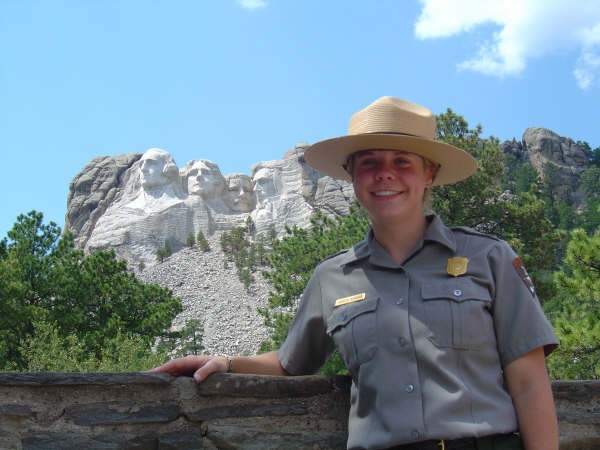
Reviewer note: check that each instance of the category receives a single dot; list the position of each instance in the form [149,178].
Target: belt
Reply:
[458,444]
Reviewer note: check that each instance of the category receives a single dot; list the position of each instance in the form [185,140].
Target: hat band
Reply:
[391,132]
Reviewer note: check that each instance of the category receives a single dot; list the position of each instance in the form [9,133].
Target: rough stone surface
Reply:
[214,294]
[135,203]
[541,146]
[151,411]
[93,190]
[578,410]
[227,411]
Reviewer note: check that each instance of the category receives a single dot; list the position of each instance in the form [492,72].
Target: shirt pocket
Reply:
[457,313]
[353,328]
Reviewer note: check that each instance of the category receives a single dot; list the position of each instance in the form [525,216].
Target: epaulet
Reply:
[474,232]
[341,252]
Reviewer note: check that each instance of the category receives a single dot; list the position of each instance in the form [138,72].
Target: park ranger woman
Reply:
[440,328]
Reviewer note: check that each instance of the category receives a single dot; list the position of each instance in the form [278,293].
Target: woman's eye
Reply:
[367,163]
[402,162]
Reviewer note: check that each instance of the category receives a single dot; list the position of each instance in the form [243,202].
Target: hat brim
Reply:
[329,155]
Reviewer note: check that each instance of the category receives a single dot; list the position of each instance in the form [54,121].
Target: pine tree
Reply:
[203,244]
[47,285]
[575,312]
[190,241]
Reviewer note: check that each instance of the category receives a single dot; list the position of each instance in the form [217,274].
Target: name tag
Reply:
[351,299]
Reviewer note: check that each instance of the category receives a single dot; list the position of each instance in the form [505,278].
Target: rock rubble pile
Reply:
[211,292]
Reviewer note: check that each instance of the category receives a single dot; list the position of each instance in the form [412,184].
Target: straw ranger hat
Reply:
[391,123]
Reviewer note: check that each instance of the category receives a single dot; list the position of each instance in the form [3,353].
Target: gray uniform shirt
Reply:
[425,348]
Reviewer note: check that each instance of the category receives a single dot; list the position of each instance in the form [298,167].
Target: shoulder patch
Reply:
[474,232]
[523,274]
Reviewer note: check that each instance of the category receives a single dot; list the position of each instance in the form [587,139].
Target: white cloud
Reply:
[252,4]
[522,30]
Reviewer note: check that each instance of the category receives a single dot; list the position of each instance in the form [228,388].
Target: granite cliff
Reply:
[134,203]
[545,150]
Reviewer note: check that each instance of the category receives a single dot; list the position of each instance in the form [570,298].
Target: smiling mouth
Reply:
[386,193]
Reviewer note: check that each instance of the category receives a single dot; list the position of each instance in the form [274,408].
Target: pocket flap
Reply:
[458,290]
[344,314]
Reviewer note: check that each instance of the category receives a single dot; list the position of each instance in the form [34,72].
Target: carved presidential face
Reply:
[240,193]
[157,168]
[264,184]
[204,178]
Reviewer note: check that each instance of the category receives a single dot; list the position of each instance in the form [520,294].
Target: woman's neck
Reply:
[400,238]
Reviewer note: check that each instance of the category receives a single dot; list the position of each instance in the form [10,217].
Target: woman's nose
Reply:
[384,172]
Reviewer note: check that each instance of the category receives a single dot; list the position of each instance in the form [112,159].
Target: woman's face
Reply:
[390,184]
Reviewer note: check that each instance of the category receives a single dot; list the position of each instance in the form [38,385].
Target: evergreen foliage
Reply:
[590,185]
[164,252]
[190,241]
[595,157]
[48,350]
[188,341]
[473,202]
[48,285]
[525,178]
[575,311]
[247,253]
[203,244]
[292,261]
[481,203]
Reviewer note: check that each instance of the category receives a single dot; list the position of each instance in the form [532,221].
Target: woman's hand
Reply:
[198,367]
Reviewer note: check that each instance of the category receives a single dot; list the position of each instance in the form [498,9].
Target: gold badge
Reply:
[351,299]
[457,266]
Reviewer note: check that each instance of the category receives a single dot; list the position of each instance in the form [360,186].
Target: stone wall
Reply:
[154,411]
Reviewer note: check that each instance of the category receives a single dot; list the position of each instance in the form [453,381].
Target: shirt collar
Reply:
[438,232]
[435,232]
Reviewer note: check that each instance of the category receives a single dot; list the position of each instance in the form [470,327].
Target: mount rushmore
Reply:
[134,203]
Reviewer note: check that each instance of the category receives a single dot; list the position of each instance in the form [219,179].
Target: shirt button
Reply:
[457,292]
[409,388]
[399,301]
[401,341]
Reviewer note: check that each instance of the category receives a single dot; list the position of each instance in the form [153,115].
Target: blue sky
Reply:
[239,82]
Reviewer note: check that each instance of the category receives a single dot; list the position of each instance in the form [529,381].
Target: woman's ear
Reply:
[432,172]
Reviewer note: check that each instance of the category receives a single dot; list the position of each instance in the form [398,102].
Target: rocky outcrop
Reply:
[93,190]
[227,411]
[134,203]
[541,148]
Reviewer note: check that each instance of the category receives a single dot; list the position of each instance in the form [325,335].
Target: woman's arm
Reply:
[201,366]
[529,386]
